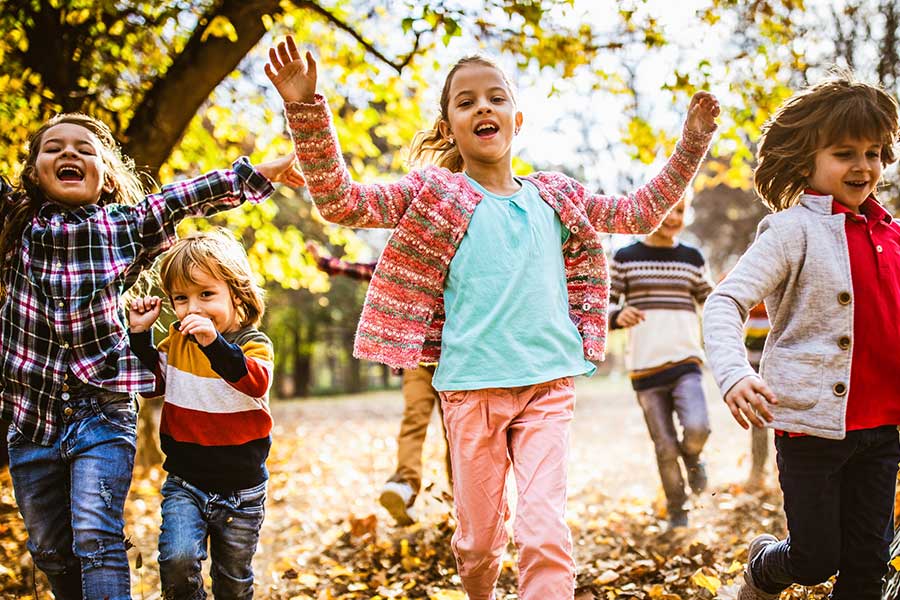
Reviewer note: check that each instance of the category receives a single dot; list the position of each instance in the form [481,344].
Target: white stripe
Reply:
[210,394]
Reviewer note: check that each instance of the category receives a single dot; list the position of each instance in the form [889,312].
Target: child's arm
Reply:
[244,368]
[759,272]
[142,314]
[338,198]
[154,220]
[335,266]
[625,316]
[644,209]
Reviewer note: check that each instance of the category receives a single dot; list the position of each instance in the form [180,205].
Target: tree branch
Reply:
[168,107]
[397,66]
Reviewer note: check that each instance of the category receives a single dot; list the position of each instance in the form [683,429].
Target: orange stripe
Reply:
[214,429]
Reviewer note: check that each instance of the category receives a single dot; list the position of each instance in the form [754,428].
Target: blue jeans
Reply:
[72,496]
[683,397]
[230,523]
[839,502]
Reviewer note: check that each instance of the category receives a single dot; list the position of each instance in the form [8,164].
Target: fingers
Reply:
[284,55]
[311,70]
[292,48]
[145,304]
[274,60]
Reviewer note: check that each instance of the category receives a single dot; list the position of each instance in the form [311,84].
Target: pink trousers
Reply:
[527,428]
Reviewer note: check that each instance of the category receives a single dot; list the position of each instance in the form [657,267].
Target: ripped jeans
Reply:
[72,496]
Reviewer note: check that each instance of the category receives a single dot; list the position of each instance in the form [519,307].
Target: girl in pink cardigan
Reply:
[502,277]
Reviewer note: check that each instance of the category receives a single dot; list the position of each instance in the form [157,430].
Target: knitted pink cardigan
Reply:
[430,209]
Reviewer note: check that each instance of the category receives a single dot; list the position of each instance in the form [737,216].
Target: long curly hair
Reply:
[20,202]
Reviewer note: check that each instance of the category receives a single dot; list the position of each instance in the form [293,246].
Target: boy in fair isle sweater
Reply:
[215,369]
[661,281]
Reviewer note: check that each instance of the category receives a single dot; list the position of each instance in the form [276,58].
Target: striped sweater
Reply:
[215,425]
[668,285]
[430,210]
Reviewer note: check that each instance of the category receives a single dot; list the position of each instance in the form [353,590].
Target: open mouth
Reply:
[69,173]
[486,129]
[857,184]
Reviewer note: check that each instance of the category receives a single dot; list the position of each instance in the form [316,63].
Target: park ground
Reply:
[325,536]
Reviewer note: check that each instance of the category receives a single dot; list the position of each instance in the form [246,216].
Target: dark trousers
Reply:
[839,501]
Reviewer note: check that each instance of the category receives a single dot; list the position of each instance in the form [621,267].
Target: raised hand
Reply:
[750,397]
[283,170]
[294,78]
[702,113]
[201,328]
[143,312]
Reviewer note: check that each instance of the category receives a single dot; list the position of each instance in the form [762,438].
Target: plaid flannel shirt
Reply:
[336,266]
[63,313]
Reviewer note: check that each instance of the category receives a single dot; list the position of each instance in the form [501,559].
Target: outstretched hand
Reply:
[294,78]
[702,113]
[283,170]
[750,398]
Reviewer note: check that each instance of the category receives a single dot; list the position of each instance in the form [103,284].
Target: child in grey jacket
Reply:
[827,264]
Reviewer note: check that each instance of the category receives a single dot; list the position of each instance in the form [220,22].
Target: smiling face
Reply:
[848,171]
[69,166]
[481,115]
[206,296]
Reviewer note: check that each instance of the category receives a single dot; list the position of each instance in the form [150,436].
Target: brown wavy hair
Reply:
[824,114]
[20,202]
[429,146]
[221,256]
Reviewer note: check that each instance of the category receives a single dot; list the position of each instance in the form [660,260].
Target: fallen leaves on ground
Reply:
[326,539]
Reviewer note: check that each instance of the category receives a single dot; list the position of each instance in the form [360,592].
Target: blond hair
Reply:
[429,146]
[824,114]
[219,254]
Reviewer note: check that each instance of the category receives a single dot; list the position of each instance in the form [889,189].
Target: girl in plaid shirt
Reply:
[75,234]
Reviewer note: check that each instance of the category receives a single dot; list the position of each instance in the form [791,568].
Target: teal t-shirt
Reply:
[506,300]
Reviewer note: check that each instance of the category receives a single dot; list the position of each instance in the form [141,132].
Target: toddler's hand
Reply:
[283,170]
[143,312]
[201,328]
[750,397]
[629,317]
[294,78]
[702,113]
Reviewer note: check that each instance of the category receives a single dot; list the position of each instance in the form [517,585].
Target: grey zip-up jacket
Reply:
[800,265]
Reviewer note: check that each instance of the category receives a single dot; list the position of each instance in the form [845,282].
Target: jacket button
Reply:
[574,228]
[844,298]
[68,411]
[839,389]
[844,342]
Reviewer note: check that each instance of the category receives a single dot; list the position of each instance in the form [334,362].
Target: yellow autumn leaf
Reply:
[447,595]
[895,562]
[220,27]
[707,582]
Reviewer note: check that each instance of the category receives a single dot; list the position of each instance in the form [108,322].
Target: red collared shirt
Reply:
[873,242]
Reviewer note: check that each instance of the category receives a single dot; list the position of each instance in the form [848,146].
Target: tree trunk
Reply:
[354,366]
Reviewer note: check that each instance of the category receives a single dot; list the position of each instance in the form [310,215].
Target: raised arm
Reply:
[645,208]
[153,221]
[339,199]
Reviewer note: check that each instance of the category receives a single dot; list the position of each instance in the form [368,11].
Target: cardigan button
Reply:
[844,298]
[839,389]
[574,228]
[844,342]
[586,306]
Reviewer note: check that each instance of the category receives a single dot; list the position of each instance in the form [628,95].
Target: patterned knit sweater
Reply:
[430,209]
[668,284]
[215,425]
